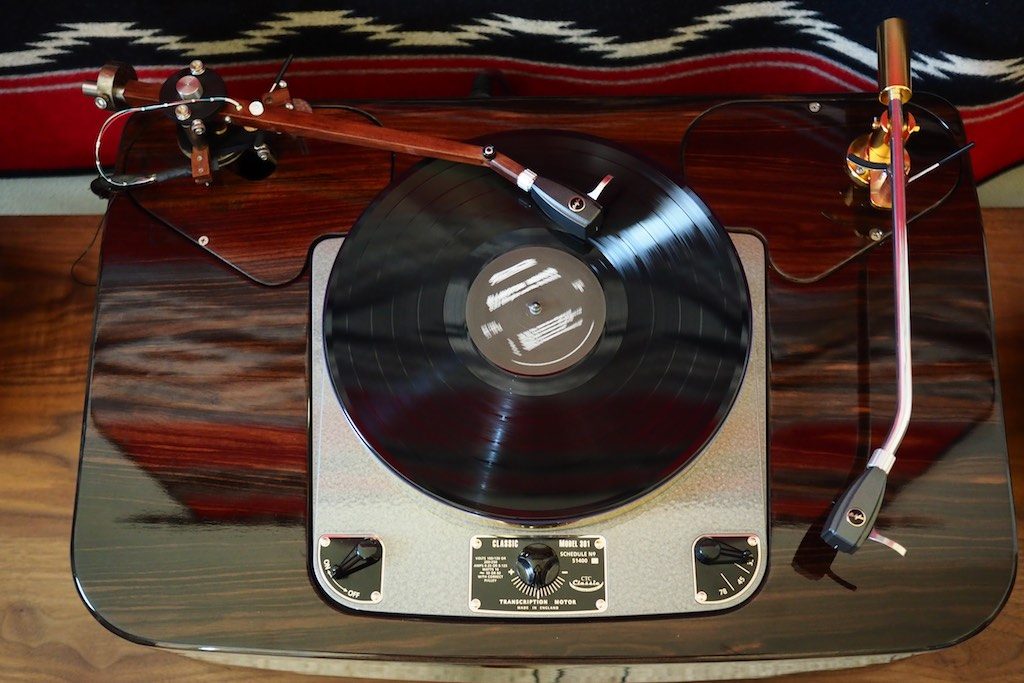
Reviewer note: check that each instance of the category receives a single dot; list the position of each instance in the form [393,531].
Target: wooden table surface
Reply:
[46,633]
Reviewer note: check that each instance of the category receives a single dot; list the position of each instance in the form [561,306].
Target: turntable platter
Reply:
[515,372]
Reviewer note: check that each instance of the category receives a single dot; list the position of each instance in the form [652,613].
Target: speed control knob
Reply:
[537,565]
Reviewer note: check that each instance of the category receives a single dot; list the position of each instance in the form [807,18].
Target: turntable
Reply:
[609,383]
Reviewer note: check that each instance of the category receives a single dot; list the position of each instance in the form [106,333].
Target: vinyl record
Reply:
[515,372]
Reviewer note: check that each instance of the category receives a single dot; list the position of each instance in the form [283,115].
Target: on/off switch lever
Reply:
[366,553]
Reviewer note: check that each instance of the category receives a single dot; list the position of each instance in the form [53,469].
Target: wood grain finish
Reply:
[46,631]
[190,525]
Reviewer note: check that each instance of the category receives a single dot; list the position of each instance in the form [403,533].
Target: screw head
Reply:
[815,107]
[375,596]
[477,543]
[600,605]
[599,543]
[196,67]
[182,112]
[534,308]
[876,234]
[203,241]
[256,108]
[282,83]
[100,103]
[489,152]
[702,596]
[324,540]
[198,127]
[474,604]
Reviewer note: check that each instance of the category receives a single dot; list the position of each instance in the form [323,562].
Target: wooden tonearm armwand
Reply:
[197,99]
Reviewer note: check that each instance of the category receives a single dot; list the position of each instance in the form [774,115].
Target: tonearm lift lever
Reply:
[852,518]
[197,97]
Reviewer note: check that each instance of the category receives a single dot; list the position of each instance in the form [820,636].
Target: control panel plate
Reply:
[725,575]
[353,574]
[497,586]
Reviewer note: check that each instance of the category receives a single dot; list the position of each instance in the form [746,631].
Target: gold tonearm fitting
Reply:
[875,147]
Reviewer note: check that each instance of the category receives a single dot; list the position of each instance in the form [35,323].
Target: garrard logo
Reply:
[577,203]
[586,584]
[856,517]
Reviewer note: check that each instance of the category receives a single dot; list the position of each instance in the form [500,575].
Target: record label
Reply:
[535,311]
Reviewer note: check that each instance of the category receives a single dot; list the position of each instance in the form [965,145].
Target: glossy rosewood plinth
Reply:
[191,519]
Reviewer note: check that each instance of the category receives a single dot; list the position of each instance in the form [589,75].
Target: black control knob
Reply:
[537,565]
[715,551]
[366,553]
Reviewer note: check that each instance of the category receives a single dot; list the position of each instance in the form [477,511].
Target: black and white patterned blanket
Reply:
[972,53]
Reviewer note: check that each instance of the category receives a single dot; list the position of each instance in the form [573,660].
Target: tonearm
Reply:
[852,518]
[196,96]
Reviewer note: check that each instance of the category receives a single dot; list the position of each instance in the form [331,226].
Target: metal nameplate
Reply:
[496,585]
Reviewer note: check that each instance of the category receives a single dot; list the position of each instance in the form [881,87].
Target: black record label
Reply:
[513,371]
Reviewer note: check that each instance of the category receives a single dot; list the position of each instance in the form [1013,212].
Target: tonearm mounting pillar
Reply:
[876,146]
[853,515]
